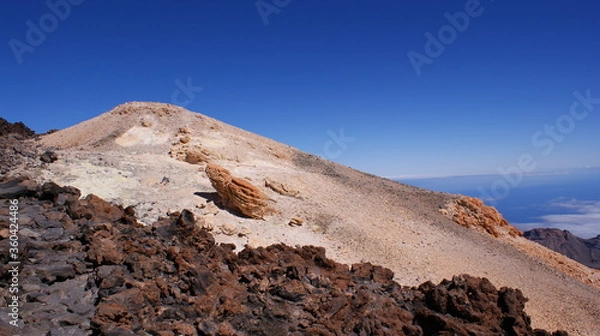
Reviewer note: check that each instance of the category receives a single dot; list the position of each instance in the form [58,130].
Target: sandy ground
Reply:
[123,156]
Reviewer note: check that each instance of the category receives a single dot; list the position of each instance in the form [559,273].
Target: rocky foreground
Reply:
[88,268]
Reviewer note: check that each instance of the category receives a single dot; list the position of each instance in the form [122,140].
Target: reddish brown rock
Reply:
[238,194]
[472,213]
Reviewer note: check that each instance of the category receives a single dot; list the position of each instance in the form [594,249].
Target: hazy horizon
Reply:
[566,200]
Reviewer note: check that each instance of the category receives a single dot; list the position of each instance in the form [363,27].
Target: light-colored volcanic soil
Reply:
[124,156]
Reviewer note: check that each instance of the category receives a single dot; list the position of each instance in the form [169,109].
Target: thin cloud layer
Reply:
[583,219]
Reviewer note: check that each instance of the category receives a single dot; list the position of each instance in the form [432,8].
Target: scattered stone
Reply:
[281,188]
[48,157]
[184,139]
[245,231]
[237,194]
[229,229]
[295,222]
[211,208]
[207,222]
[146,123]
[194,154]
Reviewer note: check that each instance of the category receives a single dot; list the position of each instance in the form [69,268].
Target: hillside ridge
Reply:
[153,158]
[585,251]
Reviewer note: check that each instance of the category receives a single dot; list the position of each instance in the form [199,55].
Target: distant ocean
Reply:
[565,200]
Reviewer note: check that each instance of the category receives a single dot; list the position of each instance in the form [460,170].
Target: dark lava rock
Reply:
[88,268]
[16,149]
[584,251]
[17,128]
[17,188]
[48,157]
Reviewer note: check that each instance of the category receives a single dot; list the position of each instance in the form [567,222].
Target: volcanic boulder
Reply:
[237,194]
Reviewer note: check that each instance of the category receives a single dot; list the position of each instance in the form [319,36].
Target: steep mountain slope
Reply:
[152,156]
[89,269]
[585,251]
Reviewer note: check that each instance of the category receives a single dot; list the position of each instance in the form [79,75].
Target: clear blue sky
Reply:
[320,66]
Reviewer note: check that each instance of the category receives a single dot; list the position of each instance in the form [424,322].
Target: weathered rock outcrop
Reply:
[17,128]
[237,194]
[88,268]
[194,154]
[472,213]
[281,188]
[585,251]
[15,151]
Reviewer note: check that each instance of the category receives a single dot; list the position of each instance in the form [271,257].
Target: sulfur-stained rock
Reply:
[471,212]
[237,194]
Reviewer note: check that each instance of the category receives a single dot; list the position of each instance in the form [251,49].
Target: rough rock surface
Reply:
[194,154]
[15,150]
[281,188]
[471,212]
[16,128]
[88,268]
[238,194]
[585,251]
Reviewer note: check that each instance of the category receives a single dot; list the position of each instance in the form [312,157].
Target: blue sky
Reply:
[303,71]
